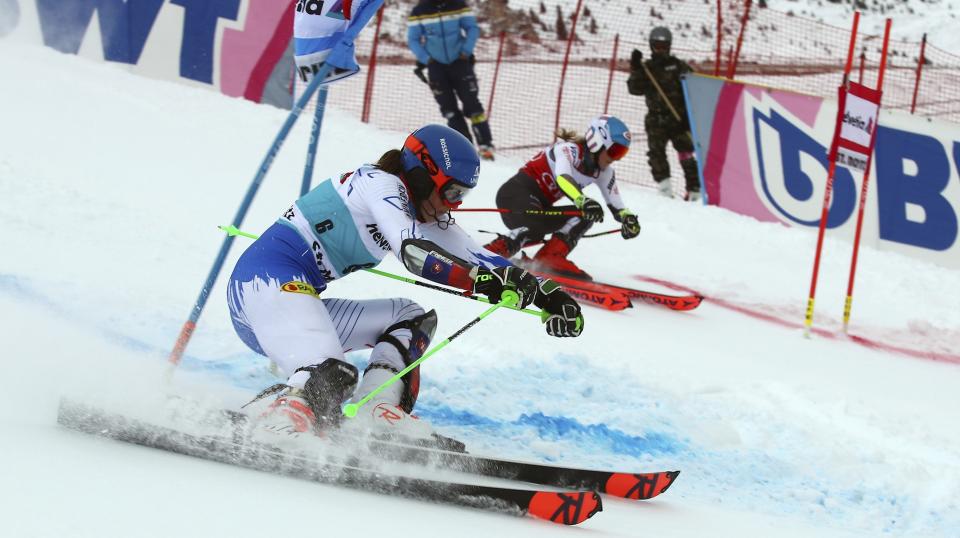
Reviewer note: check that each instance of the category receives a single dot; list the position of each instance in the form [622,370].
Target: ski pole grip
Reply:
[509,298]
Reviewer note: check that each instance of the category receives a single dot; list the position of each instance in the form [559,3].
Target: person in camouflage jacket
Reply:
[666,119]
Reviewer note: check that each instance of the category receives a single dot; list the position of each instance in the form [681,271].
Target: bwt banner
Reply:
[763,153]
[240,47]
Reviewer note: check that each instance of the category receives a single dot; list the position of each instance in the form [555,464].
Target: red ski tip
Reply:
[639,486]
[565,508]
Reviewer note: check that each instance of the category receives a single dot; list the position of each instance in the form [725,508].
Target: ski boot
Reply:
[552,258]
[315,407]
[504,246]
[485,152]
[665,188]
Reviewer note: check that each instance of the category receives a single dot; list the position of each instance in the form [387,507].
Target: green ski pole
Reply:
[509,298]
[233,230]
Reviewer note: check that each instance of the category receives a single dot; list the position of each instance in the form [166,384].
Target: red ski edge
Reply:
[639,486]
[565,508]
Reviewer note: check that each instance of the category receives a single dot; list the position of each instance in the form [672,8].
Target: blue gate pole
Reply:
[314,139]
[360,19]
[187,330]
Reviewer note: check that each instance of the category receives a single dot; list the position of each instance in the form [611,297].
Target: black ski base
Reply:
[237,449]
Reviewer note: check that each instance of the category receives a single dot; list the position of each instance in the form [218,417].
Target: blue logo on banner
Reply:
[924,188]
[900,187]
[125,26]
[794,143]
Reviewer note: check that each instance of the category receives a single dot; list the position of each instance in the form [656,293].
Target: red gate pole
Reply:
[496,74]
[732,72]
[371,71]
[848,304]
[716,62]
[808,319]
[566,61]
[613,67]
[916,85]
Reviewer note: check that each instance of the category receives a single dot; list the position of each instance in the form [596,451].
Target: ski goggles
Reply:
[453,192]
[617,151]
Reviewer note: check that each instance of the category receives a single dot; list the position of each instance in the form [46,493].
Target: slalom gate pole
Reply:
[188,327]
[848,303]
[360,20]
[832,156]
[232,230]
[509,300]
[314,139]
[536,212]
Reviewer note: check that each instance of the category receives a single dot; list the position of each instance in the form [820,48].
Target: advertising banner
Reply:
[243,48]
[763,153]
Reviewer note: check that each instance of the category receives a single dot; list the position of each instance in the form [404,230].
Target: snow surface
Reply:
[111,188]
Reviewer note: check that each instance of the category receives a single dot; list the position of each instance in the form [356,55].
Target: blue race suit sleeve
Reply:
[414,41]
[469,24]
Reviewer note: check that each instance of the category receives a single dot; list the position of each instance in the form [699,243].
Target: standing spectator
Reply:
[442,35]
[658,80]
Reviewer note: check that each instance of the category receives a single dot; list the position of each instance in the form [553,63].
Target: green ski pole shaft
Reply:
[350,410]
[233,230]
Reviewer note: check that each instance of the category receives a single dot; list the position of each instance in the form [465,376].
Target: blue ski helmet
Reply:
[609,133]
[449,159]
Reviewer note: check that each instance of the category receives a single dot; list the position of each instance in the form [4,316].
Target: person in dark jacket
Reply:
[442,34]
[666,119]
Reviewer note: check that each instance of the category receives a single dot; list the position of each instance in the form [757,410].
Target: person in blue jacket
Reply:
[442,34]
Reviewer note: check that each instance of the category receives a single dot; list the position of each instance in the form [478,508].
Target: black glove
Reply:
[493,283]
[471,59]
[419,72]
[592,210]
[629,225]
[564,318]
[636,60]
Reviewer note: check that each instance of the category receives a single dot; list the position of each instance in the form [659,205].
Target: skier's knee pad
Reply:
[329,385]
[421,330]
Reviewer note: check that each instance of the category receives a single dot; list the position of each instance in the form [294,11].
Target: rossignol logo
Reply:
[310,7]
[446,153]
[857,122]
[378,237]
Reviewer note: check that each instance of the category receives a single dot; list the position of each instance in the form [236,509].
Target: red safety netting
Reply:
[777,49]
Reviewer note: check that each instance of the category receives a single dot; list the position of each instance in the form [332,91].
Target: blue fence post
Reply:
[359,21]
[314,139]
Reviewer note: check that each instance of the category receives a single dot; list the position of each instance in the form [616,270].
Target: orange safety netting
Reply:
[528,100]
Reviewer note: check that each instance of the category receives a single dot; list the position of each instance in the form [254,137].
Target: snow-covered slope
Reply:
[111,188]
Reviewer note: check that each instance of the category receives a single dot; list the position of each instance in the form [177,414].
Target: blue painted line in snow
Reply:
[243,370]
[559,428]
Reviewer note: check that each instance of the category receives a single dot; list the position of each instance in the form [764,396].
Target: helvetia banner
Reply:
[764,153]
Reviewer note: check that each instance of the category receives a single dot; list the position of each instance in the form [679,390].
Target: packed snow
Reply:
[111,190]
